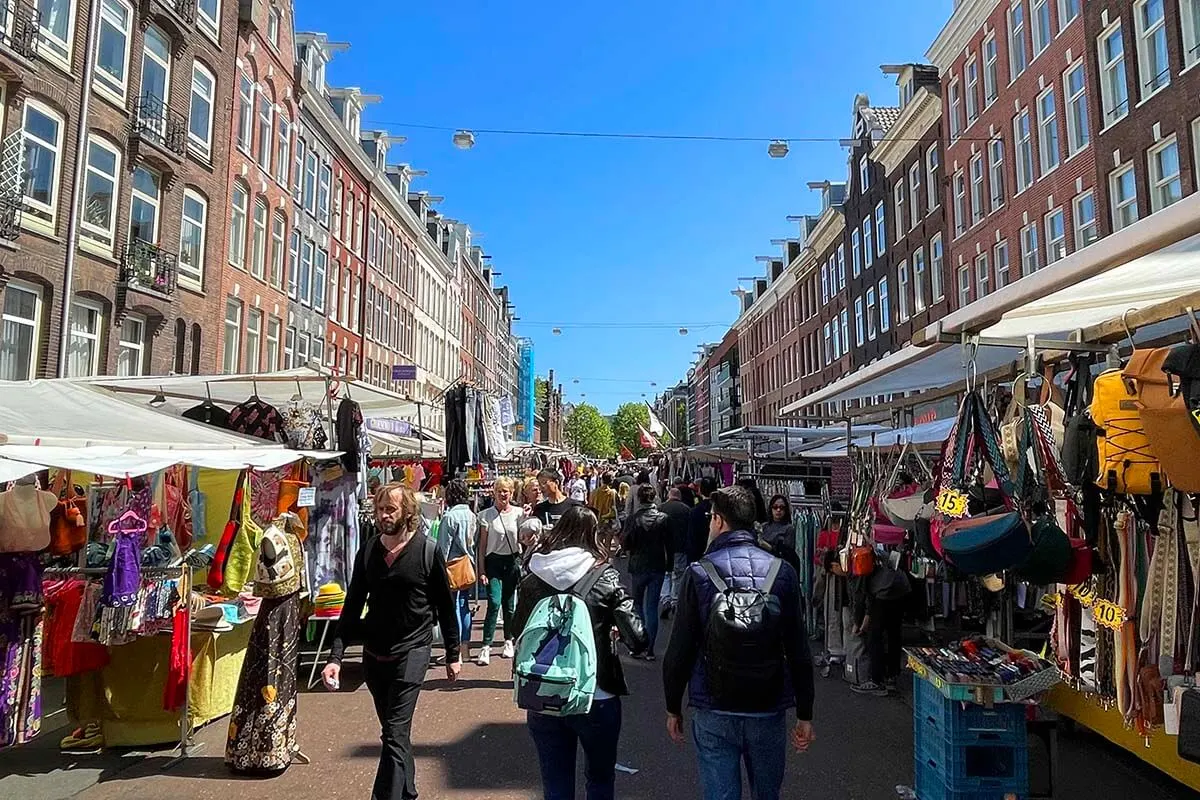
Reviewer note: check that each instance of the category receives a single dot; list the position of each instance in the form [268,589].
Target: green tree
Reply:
[589,432]
[541,390]
[625,426]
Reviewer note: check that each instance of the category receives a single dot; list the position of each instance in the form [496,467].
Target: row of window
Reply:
[1153,67]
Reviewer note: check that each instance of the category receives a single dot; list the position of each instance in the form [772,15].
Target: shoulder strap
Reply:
[710,570]
[429,554]
[772,574]
[584,585]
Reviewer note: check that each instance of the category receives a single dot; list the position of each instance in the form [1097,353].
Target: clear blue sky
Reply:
[603,231]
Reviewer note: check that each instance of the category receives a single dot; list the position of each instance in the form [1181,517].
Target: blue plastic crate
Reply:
[931,786]
[967,723]
[985,766]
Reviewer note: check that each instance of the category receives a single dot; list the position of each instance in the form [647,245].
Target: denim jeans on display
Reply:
[725,741]
[556,738]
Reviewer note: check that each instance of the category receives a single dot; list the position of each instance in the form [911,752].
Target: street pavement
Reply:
[471,743]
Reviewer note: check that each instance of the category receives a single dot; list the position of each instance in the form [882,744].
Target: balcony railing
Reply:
[153,119]
[149,268]
[19,22]
[10,214]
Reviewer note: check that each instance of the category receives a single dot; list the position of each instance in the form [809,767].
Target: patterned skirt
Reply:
[262,728]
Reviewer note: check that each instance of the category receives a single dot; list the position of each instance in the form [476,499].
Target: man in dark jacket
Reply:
[697,539]
[679,519]
[647,540]
[730,729]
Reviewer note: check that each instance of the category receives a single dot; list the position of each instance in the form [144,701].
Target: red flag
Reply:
[626,454]
[647,441]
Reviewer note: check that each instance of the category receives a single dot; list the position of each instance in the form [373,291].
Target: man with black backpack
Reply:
[739,647]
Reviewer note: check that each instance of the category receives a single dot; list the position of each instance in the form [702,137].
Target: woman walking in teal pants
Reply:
[499,527]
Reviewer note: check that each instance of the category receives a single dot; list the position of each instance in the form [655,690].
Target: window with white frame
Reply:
[828,351]
[1042,32]
[311,168]
[239,211]
[304,282]
[991,74]
[272,352]
[254,330]
[1154,70]
[144,206]
[289,347]
[960,204]
[1030,252]
[1086,231]
[936,257]
[112,47]
[964,285]
[56,27]
[978,202]
[320,264]
[21,326]
[955,110]
[245,113]
[860,322]
[258,239]
[856,252]
[898,214]
[824,283]
[266,126]
[335,221]
[200,112]
[1122,191]
[323,190]
[1017,57]
[1000,259]
[864,173]
[885,306]
[1047,109]
[914,195]
[880,228]
[1114,92]
[868,242]
[1023,143]
[283,158]
[932,162]
[278,246]
[1056,236]
[1075,87]
[83,342]
[98,221]
[1189,11]
[209,16]
[1165,185]
[303,343]
[156,79]
[1068,10]
[918,258]
[996,172]
[972,90]
[902,285]
[982,275]
[841,264]
[41,131]
[872,327]
[273,26]
[131,347]
[230,358]
[192,238]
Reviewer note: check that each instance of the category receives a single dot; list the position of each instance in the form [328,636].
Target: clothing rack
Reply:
[188,745]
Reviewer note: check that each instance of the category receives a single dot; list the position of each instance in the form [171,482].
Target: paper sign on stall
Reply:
[307,497]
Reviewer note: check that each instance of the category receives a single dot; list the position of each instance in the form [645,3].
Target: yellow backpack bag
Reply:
[1127,464]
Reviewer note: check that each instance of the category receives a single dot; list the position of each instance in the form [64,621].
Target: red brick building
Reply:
[1017,115]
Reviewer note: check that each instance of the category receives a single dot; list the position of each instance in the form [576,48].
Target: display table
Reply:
[126,696]
[1161,752]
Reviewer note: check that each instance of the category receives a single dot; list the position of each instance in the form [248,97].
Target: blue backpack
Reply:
[554,668]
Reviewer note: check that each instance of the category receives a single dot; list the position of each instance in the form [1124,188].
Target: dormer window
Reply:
[353,120]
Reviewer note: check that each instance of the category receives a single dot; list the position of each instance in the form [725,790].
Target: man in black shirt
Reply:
[550,510]
[679,516]
[697,540]
[402,576]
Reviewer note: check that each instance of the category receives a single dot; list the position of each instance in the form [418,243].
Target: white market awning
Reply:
[1152,263]
[927,433]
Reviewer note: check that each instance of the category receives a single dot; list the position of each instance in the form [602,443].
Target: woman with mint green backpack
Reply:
[573,558]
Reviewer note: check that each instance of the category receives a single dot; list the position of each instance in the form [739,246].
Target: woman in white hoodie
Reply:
[564,562]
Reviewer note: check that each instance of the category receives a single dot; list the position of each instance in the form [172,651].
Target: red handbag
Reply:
[68,519]
[862,561]
[826,540]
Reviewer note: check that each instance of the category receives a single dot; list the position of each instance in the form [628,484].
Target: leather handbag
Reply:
[461,573]
[1049,560]
[1162,379]
[1189,726]
[889,535]
[862,561]
[68,519]
[983,545]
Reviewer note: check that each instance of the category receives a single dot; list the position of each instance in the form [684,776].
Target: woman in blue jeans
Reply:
[647,539]
[456,538]
[564,561]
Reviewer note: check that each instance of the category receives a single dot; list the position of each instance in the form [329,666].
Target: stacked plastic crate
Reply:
[964,751]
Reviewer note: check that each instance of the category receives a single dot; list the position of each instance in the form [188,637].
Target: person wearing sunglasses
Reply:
[779,525]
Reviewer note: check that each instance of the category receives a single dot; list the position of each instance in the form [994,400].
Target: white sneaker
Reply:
[509,649]
[485,656]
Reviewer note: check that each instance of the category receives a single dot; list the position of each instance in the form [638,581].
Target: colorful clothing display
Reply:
[258,419]
[304,426]
[333,538]
[20,648]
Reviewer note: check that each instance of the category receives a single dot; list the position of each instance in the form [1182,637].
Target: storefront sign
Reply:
[396,427]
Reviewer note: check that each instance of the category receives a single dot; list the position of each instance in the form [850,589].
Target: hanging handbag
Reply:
[1163,380]
[1079,449]
[461,573]
[216,570]
[68,519]
[862,561]
[1189,726]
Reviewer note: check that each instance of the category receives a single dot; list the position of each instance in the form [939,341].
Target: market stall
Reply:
[128,575]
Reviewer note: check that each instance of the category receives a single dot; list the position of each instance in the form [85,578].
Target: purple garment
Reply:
[124,576]
[20,585]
